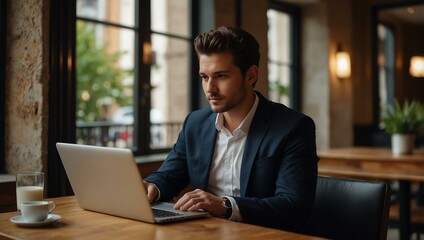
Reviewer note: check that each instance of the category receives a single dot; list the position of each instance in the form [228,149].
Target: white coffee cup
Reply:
[36,211]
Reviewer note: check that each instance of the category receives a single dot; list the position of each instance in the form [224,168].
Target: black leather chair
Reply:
[350,209]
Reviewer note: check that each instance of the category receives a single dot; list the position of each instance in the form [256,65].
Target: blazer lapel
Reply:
[207,145]
[257,132]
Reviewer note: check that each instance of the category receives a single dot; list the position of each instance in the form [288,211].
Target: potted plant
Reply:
[403,123]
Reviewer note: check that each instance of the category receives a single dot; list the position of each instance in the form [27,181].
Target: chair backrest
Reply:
[350,209]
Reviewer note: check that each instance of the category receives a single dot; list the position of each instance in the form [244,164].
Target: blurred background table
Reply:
[377,163]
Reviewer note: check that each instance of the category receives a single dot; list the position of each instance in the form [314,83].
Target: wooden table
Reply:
[77,223]
[377,163]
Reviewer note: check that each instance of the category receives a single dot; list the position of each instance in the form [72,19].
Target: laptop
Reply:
[107,180]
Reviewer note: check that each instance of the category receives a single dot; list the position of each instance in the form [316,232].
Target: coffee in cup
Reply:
[36,211]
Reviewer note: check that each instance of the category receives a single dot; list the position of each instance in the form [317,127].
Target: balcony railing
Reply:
[112,134]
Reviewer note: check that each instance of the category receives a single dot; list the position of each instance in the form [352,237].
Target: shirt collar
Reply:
[245,124]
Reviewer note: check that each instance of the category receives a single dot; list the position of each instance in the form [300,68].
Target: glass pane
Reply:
[105,80]
[115,11]
[279,83]
[279,56]
[386,62]
[170,96]
[171,17]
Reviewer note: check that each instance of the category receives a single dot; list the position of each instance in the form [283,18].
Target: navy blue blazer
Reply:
[278,171]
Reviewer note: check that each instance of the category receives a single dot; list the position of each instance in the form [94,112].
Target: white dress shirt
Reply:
[224,177]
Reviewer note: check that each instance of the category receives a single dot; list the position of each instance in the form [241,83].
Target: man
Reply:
[248,159]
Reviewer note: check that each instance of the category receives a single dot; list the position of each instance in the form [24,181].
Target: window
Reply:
[386,65]
[129,61]
[283,54]
[170,69]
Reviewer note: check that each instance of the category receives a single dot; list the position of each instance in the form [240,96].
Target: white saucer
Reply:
[19,219]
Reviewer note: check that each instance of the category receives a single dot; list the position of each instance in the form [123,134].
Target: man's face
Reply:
[223,84]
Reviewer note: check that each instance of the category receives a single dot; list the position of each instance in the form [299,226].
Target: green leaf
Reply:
[98,74]
[406,119]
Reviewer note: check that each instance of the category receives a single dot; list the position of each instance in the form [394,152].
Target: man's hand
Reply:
[152,191]
[199,199]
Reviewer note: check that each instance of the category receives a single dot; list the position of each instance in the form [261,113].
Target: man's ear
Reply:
[252,74]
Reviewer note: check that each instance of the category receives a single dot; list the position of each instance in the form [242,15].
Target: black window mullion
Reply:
[142,81]
[62,85]
[195,87]
[106,23]
[295,81]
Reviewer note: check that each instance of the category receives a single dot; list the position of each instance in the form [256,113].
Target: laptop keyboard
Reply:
[163,213]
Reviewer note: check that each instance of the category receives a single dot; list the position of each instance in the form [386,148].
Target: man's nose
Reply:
[210,85]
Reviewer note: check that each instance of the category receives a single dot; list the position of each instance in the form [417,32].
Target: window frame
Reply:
[144,114]
[143,33]
[62,122]
[375,125]
[295,81]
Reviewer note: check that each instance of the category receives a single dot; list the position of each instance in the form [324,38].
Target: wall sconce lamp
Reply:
[147,53]
[416,67]
[342,64]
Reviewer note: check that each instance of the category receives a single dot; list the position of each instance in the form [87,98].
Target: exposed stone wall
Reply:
[315,74]
[26,85]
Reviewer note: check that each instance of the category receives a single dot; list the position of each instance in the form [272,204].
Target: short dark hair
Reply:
[241,44]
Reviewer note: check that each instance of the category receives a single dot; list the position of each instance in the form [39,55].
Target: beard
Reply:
[220,103]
